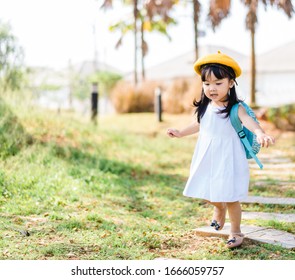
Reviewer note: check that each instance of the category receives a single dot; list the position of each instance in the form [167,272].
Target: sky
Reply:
[54,33]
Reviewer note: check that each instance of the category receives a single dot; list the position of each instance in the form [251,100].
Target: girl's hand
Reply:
[173,133]
[262,138]
[265,140]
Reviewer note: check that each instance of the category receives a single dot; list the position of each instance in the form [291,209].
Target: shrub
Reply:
[283,117]
[179,96]
[12,134]
[127,98]
[194,92]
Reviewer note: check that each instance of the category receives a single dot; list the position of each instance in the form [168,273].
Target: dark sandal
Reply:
[219,225]
[215,224]
[235,241]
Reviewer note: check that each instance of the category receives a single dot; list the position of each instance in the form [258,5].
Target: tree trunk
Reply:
[135,15]
[196,19]
[142,52]
[253,70]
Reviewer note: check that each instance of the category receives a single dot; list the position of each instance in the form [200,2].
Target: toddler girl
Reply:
[219,172]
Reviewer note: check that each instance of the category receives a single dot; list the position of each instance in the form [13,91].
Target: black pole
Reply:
[94,102]
[158,103]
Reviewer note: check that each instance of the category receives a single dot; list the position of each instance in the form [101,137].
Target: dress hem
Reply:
[223,200]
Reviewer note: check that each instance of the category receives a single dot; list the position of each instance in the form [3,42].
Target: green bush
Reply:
[283,117]
[12,134]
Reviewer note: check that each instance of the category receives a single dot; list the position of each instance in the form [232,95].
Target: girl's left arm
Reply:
[264,139]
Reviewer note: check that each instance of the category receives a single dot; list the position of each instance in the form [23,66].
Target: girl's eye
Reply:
[218,84]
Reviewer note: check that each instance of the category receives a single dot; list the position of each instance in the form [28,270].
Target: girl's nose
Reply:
[211,88]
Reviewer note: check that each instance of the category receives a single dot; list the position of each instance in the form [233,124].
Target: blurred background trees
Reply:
[134,94]
[11,59]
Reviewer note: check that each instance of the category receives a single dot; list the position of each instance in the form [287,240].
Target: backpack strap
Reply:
[236,123]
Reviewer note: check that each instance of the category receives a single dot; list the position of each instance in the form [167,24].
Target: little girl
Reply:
[219,171]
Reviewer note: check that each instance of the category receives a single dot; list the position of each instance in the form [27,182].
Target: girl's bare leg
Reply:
[235,216]
[219,214]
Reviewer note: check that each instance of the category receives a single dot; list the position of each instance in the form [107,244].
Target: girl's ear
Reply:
[231,83]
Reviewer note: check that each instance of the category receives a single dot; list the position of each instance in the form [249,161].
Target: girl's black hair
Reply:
[220,72]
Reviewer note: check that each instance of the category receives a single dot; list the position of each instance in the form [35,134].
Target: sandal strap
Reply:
[233,240]
[213,223]
[217,226]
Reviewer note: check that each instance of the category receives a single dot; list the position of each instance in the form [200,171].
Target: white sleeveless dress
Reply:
[219,169]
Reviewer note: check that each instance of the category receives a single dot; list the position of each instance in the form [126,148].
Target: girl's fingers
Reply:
[266,141]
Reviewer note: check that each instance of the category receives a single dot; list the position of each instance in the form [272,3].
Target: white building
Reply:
[276,76]
[275,80]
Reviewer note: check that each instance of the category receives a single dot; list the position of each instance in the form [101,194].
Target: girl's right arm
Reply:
[191,129]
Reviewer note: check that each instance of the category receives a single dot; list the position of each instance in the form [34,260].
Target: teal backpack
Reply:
[247,137]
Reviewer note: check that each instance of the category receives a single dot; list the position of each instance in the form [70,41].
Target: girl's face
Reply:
[217,89]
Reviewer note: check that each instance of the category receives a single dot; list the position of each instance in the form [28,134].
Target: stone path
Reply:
[260,234]
[269,200]
[288,218]
[278,167]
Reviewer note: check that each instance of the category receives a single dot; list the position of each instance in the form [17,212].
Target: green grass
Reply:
[111,191]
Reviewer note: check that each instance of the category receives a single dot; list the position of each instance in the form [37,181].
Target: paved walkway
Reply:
[288,218]
[269,200]
[261,234]
[265,235]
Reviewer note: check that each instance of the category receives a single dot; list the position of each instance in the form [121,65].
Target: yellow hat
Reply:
[219,58]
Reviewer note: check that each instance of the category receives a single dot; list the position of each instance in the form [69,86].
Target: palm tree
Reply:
[135,18]
[219,9]
[146,25]
[152,16]
[155,17]
[196,16]
[251,21]
[107,4]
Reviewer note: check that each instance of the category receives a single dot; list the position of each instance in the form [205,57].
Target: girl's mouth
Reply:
[213,95]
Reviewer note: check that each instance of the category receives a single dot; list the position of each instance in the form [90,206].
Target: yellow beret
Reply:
[219,58]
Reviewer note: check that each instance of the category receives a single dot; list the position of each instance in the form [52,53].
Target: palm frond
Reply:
[218,10]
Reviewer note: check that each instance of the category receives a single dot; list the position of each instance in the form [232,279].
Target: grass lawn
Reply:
[74,190]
